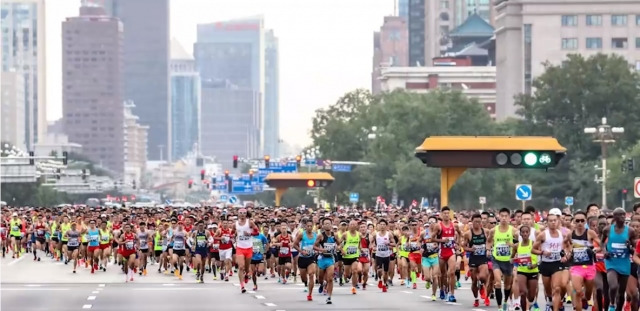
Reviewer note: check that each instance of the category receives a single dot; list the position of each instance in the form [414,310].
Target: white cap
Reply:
[555,211]
[14,214]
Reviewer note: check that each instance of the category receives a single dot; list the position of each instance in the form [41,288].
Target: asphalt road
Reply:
[51,286]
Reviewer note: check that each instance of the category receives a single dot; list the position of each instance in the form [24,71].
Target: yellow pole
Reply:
[279,193]
[448,177]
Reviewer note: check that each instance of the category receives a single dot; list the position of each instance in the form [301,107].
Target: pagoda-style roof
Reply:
[473,26]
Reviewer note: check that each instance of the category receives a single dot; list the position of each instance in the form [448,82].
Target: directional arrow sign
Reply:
[233,199]
[568,201]
[524,192]
[354,197]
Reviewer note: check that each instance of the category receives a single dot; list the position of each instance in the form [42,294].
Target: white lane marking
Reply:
[86,307]
[269,304]
[91,298]
[99,289]
[407,292]
[165,289]
[299,284]
[168,284]
[101,285]
[33,285]
[426,297]
[478,310]
[251,292]
[260,297]
[236,284]
[34,289]
[281,310]
[453,303]
[15,261]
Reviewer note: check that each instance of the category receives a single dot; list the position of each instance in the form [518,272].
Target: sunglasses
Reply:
[493,222]
[580,220]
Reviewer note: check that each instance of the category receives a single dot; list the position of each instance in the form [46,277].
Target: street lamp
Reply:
[604,134]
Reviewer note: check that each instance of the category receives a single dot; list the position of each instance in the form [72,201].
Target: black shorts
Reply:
[547,269]
[55,239]
[233,251]
[114,245]
[257,262]
[530,275]
[41,240]
[85,244]
[179,252]
[284,260]
[71,248]
[305,262]
[383,263]
[634,270]
[215,255]
[144,251]
[64,242]
[158,253]
[392,257]
[349,261]
[338,257]
[477,261]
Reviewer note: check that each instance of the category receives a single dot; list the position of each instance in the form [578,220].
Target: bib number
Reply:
[352,250]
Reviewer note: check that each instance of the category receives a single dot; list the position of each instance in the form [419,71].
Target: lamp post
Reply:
[604,134]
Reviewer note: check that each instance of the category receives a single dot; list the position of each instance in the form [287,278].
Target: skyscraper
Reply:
[233,52]
[272,96]
[92,100]
[417,29]
[146,67]
[23,52]
[185,101]
[390,48]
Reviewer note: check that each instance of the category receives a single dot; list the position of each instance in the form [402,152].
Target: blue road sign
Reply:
[233,199]
[310,162]
[341,168]
[167,202]
[568,201]
[354,197]
[224,197]
[275,167]
[524,192]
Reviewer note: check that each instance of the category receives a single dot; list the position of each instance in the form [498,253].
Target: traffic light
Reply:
[235,161]
[84,174]
[624,194]
[32,160]
[58,173]
[298,160]
[630,165]
[226,175]
[527,159]
[65,157]
[229,186]
[133,185]
[266,161]
[311,183]
[190,183]
[202,174]
[250,175]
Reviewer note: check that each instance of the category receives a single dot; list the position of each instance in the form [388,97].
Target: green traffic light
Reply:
[530,159]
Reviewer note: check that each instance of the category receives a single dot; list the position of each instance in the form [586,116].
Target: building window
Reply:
[618,20]
[569,43]
[444,4]
[619,43]
[527,58]
[637,43]
[569,20]
[594,20]
[594,43]
[638,20]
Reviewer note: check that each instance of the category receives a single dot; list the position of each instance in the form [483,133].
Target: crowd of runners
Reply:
[585,258]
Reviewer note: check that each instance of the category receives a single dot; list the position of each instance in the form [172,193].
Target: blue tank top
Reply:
[94,237]
[169,235]
[201,241]
[307,243]
[618,259]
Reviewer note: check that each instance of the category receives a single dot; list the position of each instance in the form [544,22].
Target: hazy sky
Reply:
[325,48]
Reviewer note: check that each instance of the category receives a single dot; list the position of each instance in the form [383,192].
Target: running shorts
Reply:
[547,269]
[226,254]
[587,272]
[305,262]
[349,261]
[245,252]
[506,267]
[92,249]
[529,275]
[415,258]
[428,262]
[383,263]
[104,246]
[325,262]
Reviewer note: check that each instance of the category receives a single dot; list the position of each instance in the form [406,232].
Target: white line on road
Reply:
[426,297]
[95,292]
[174,288]
[251,292]
[33,285]
[236,284]
[33,289]
[101,285]
[168,284]
[260,297]
[99,288]
[86,307]
[269,304]
[453,303]
[91,298]
[407,292]
[478,310]
[16,261]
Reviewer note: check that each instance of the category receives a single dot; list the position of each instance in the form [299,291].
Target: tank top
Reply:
[448,234]
[478,241]
[104,237]
[258,247]
[402,249]
[94,237]
[382,245]
[178,240]
[129,242]
[225,240]
[582,249]
[524,257]
[285,247]
[39,230]
[65,228]
[73,238]
[415,242]
[351,245]
[201,241]
[328,243]
[553,246]
[215,243]
[429,248]
[501,248]
[306,244]
[157,242]
[364,247]
[143,239]
[244,235]
[618,249]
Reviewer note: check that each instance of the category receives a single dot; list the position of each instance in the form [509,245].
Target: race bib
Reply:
[352,250]
[329,247]
[554,256]
[364,252]
[284,250]
[128,245]
[178,245]
[524,259]
[15,228]
[244,238]
[73,242]
[449,243]
[201,243]
[308,249]
[225,239]
[580,254]
[480,250]
[94,238]
[40,232]
[503,250]
[105,238]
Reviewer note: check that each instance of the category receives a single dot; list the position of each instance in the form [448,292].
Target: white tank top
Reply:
[244,235]
[382,245]
[552,245]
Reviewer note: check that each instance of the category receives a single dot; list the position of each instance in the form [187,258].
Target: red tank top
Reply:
[129,242]
[448,233]
[364,248]
[285,248]
[188,228]
[225,242]
[215,246]
[39,230]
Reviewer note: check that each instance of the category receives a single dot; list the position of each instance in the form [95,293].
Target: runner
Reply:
[245,229]
[617,256]
[502,239]
[527,270]
[260,247]
[383,242]
[304,243]
[475,241]
[583,270]
[326,244]
[351,253]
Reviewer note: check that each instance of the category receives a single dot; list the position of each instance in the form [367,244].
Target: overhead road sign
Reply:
[343,168]
[568,201]
[524,192]
[283,181]
[454,154]
[354,197]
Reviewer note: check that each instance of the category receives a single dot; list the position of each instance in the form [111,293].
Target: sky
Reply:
[326,48]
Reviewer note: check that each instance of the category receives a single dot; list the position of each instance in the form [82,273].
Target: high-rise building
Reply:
[23,51]
[146,67]
[529,33]
[12,109]
[403,8]
[106,4]
[92,101]
[135,146]
[233,51]
[417,32]
[390,48]
[185,102]
[271,96]
[231,121]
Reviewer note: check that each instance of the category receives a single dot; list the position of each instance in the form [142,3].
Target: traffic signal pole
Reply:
[448,177]
[279,193]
